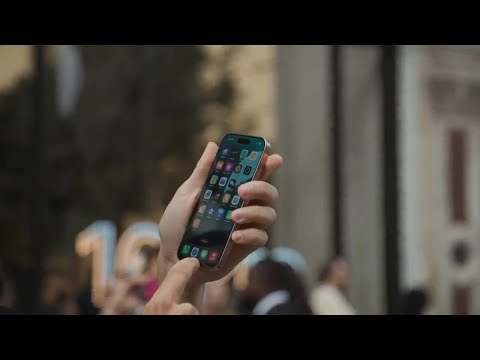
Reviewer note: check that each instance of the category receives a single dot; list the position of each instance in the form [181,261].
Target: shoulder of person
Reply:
[324,290]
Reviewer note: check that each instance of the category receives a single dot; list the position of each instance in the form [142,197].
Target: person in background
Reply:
[414,302]
[128,295]
[328,297]
[56,296]
[274,289]
[6,295]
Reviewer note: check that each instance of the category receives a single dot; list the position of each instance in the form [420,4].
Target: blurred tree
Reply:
[14,152]
[134,137]
[15,185]
[137,121]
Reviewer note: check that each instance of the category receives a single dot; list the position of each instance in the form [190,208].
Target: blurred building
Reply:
[253,72]
[381,148]
[15,61]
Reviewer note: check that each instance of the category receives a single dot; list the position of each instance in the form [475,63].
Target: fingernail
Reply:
[237,236]
[237,216]
[245,190]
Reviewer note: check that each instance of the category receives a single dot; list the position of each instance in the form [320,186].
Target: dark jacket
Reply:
[291,308]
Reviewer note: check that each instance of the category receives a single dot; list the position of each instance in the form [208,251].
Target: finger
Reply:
[253,238]
[273,163]
[173,286]
[184,309]
[200,173]
[261,215]
[259,192]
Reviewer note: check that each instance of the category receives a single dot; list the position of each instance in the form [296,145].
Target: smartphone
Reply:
[240,159]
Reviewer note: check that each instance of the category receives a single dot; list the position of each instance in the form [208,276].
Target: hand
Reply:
[166,299]
[253,219]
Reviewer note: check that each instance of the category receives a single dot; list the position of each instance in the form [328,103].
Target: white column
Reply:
[411,253]
[304,214]
[362,176]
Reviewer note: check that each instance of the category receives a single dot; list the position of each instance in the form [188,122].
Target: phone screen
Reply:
[209,229]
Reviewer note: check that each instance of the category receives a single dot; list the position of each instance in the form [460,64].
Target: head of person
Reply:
[268,276]
[414,302]
[57,295]
[54,289]
[7,296]
[335,273]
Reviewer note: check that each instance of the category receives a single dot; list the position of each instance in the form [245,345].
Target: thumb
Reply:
[200,173]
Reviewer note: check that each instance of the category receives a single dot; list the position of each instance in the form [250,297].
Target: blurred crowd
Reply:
[263,284]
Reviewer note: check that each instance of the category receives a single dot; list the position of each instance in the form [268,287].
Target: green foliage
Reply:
[131,141]
[14,153]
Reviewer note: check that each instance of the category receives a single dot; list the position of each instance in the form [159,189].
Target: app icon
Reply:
[228,167]
[225,152]
[223,182]
[248,170]
[213,257]
[238,168]
[208,194]
[213,180]
[220,213]
[226,198]
[211,211]
[196,223]
[201,209]
[203,255]
[235,200]
[228,217]
[194,252]
[232,183]
[217,195]
[219,165]
[186,250]
[243,154]
[253,155]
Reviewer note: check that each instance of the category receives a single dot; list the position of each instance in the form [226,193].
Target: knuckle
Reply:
[274,193]
[274,215]
[157,307]
[163,304]
[261,238]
